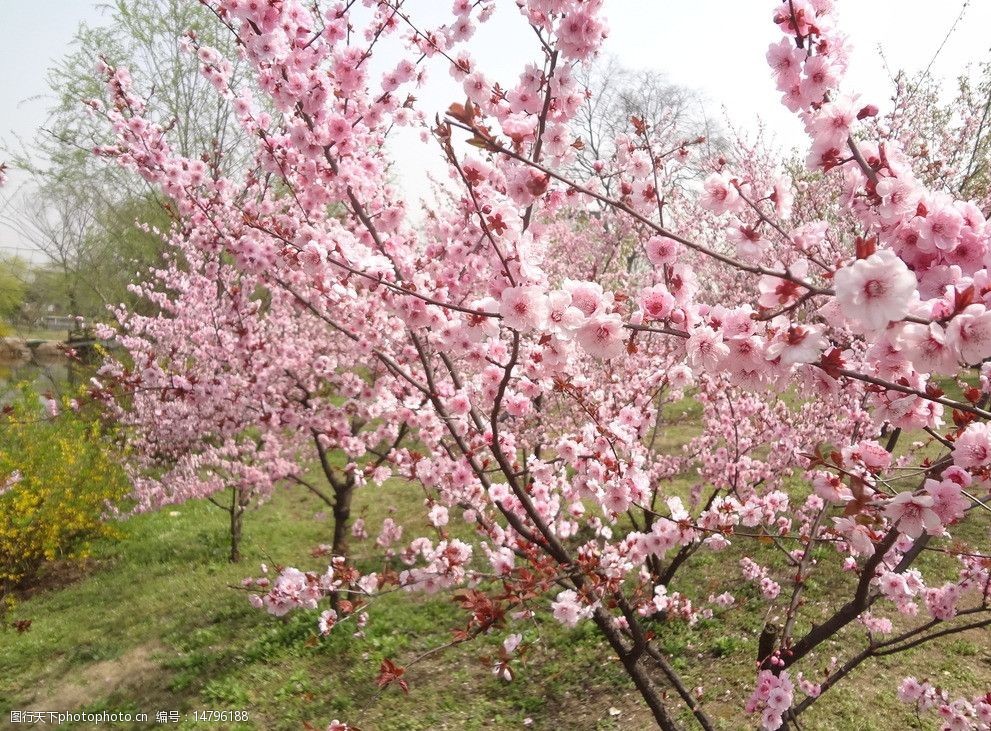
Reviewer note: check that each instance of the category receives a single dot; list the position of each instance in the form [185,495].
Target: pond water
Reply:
[57,376]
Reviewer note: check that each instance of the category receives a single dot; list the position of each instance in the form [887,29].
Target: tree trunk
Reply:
[630,658]
[342,514]
[237,522]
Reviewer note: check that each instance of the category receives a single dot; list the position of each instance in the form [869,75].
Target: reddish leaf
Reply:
[390,673]
[832,362]
[865,247]
[869,111]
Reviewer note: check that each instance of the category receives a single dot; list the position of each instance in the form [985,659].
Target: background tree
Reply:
[13,287]
[92,221]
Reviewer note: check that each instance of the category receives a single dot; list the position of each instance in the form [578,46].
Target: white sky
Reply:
[714,46]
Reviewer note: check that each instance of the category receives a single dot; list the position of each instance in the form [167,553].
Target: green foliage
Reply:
[58,477]
[94,264]
[143,36]
[12,289]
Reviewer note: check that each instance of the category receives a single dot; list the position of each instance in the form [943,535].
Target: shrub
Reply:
[59,482]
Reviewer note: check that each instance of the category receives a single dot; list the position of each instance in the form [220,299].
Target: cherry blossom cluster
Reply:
[960,714]
[771,698]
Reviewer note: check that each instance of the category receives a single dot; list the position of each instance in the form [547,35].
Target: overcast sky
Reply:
[714,46]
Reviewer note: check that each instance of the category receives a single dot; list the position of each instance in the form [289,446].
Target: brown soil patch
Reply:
[55,576]
[92,682]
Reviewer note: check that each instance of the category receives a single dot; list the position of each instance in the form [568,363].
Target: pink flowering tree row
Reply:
[534,331]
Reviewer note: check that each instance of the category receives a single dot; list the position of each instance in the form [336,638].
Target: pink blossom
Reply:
[899,198]
[602,336]
[438,516]
[948,500]
[588,297]
[568,610]
[786,61]
[563,318]
[833,122]
[913,514]
[911,689]
[661,250]
[928,348]
[797,344]
[969,334]
[390,533]
[876,290]
[820,75]
[720,195]
[973,447]
[657,302]
[523,308]
[941,228]
[328,618]
[706,348]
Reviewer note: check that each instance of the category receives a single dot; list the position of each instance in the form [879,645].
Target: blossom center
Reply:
[874,288]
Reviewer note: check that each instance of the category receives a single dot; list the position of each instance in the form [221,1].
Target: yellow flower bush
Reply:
[59,483]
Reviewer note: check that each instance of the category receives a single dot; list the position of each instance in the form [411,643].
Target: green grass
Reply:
[157,622]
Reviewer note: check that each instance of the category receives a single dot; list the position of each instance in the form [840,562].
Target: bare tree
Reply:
[617,95]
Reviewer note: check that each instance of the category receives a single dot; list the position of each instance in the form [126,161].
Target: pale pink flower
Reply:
[523,308]
[563,318]
[602,336]
[782,197]
[657,302]
[869,453]
[328,618]
[973,447]
[661,250]
[786,60]
[911,690]
[914,514]
[438,516]
[820,76]
[899,198]
[948,500]
[831,488]
[969,333]
[511,643]
[568,610]
[941,228]
[832,123]
[777,292]
[706,348]
[720,195]
[857,535]
[876,290]
[586,296]
[927,349]
[797,344]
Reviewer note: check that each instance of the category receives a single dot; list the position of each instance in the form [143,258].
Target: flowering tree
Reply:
[539,324]
[233,386]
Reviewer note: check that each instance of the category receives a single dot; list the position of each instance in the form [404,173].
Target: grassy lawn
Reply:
[155,622]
